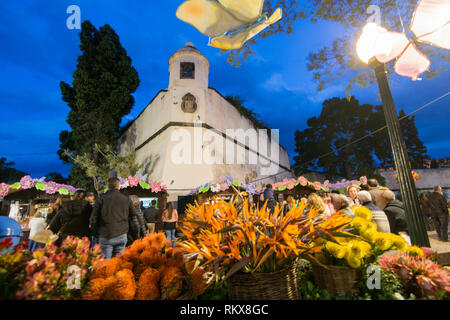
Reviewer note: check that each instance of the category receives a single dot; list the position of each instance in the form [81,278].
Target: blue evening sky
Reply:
[38,51]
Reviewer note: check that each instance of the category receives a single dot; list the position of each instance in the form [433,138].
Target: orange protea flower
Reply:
[139,246]
[171,283]
[139,269]
[150,257]
[147,286]
[96,289]
[127,265]
[106,268]
[130,255]
[123,287]
[175,257]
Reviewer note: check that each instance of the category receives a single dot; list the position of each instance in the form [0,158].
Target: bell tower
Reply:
[188,68]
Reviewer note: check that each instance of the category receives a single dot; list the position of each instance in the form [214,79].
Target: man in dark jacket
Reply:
[150,215]
[73,218]
[394,211]
[439,211]
[111,218]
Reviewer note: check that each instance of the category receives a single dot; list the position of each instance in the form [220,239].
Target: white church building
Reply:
[189,134]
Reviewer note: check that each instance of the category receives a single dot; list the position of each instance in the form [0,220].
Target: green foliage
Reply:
[9,174]
[342,122]
[215,291]
[338,61]
[238,103]
[390,287]
[100,95]
[124,164]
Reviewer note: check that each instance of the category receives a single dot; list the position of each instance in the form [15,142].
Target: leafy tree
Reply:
[100,95]
[417,152]
[339,59]
[124,164]
[9,174]
[340,122]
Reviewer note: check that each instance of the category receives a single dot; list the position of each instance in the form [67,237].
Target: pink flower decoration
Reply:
[26,182]
[317,185]
[303,181]
[363,180]
[133,181]
[51,187]
[290,186]
[4,189]
[326,183]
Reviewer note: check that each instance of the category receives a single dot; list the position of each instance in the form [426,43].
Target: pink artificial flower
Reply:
[290,185]
[303,181]
[4,189]
[133,181]
[26,182]
[363,180]
[317,185]
[326,183]
[51,187]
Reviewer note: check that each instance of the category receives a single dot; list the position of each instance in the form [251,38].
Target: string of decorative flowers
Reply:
[154,186]
[26,182]
[222,184]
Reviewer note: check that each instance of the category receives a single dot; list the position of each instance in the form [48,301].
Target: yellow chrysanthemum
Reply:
[360,248]
[414,250]
[353,262]
[382,241]
[364,213]
[359,223]
[372,226]
[368,235]
[336,250]
[399,242]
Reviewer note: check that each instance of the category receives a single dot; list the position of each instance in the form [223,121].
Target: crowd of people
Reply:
[113,220]
[387,210]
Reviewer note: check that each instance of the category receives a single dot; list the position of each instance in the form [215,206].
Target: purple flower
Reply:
[26,182]
[51,187]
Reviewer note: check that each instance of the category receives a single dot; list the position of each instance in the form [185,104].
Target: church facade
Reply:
[189,134]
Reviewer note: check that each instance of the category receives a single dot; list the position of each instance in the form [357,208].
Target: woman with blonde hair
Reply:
[315,202]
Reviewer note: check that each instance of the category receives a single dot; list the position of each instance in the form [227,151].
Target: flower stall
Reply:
[29,195]
[146,189]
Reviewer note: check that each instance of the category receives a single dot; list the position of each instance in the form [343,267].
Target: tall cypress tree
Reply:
[100,95]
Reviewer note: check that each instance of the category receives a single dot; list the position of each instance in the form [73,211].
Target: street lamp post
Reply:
[414,216]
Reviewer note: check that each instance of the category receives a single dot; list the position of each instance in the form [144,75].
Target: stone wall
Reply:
[428,178]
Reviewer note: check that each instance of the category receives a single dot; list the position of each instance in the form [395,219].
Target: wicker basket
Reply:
[335,279]
[279,285]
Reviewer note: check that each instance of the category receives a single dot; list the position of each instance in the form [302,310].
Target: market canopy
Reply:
[28,188]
